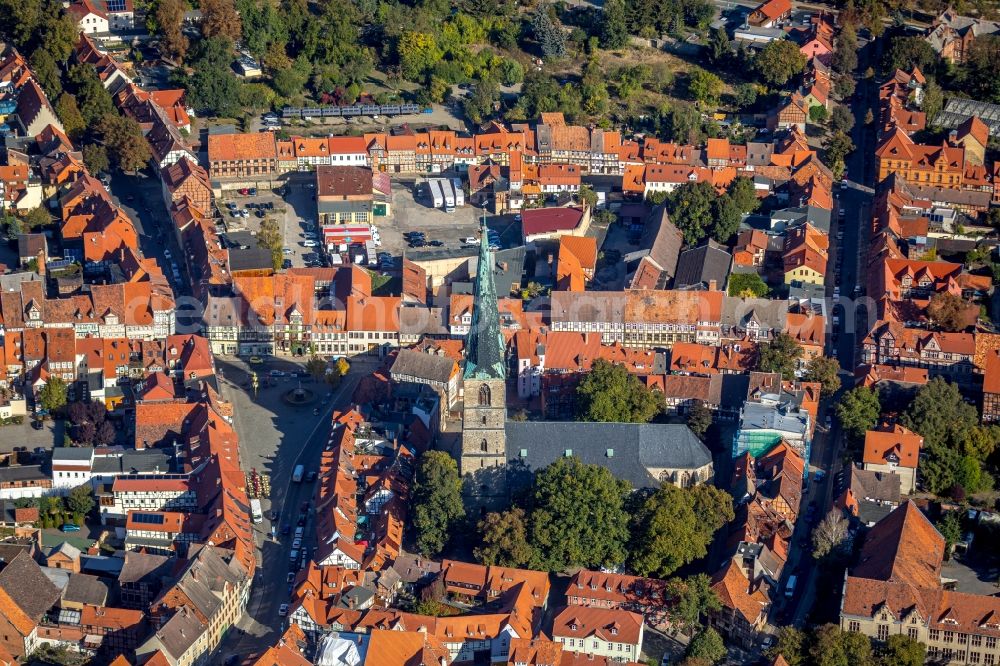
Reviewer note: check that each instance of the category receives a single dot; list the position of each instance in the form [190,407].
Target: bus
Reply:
[297,474]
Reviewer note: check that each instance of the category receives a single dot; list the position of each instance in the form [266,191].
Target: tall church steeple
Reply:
[484,441]
[484,346]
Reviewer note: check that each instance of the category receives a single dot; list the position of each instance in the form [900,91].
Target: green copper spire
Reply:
[484,357]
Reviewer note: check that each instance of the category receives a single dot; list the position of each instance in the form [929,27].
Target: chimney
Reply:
[713,285]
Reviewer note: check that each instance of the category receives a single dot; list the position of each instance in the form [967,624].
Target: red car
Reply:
[245,191]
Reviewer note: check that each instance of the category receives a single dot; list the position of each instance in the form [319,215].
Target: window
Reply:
[854,625]
[484,446]
[883,632]
[484,396]
[949,637]
[913,633]
[991,643]
[974,658]
[963,639]
[934,635]
[989,659]
[976,640]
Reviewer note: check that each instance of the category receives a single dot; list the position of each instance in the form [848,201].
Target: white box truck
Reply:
[255,513]
[434,187]
[449,195]
[459,192]
[297,473]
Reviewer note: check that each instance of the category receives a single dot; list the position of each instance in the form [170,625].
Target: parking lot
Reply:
[294,206]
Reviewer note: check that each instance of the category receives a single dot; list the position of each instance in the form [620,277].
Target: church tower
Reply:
[484,441]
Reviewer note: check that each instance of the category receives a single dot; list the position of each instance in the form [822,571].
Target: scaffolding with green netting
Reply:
[759,442]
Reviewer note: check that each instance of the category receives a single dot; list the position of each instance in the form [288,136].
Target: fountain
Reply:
[299,395]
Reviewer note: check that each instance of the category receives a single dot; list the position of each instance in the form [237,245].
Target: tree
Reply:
[70,116]
[418,53]
[699,418]
[933,100]
[746,96]
[747,285]
[92,97]
[826,648]
[610,393]
[578,516]
[950,527]
[614,30]
[170,17]
[908,52]
[901,650]
[830,535]
[838,146]
[95,158]
[841,120]
[707,645]
[105,434]
[691,207]
[843,86]
[818,114]
[37,217]
[316,367]
[80,499]
[479,105]
[437,502]
[212,86]
[779,61]
[123,137]
[781,355]
[52,396]
[939,414]
[46,72]
[674,526]
[826,371]
[219,18]
[858,411]
[690,599]
[270,238]
[547,33]
[705,88]
[845,58]
[719,47]
[790,644]
[743,194]
[949,311]
[503,539]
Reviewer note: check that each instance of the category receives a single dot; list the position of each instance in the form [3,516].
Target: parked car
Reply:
[297,543]
[309,243]
[277,373]
[436,243]
[256,359]
[283,610]
[70,527]
[470,241]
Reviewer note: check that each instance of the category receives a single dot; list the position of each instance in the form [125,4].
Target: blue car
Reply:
[70,527]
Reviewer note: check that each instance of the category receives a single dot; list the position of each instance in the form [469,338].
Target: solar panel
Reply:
[116,5]
[147,518]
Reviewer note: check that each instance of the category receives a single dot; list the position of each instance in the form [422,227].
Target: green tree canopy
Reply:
[939,414]
[707,645]
[790,644]
[52,396]
[503,539]
[858,411]
[699,418]
[614,30]
[743,194]
[610,393]
[674,526]
[901,650]
[690,599]
[80,499]
[71,117]
[907,52]
[781,355]
[779,61]
[437,502]
[123,137]
[705,88]
[825,371]
[747,285]
[577,516]
[842,120]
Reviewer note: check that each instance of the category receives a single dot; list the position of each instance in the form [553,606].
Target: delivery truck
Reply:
[255,513]
[456,183]
[297,473]
[437,196]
